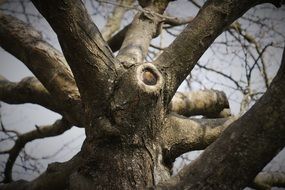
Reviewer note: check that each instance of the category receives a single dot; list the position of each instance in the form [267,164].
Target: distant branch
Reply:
[56,176]
[59,127]
[114,20]
[180,57]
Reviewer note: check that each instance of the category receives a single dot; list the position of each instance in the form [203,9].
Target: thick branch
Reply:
[144,27]
[88,56]
[180,57]
[114,20]
[28,90]
[46,63]
[182,135]
[55,129]
[267,180]
[205,102]
[245,147]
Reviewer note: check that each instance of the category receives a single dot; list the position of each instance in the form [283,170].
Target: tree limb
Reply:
[144,27]
[116,41]
[180,57]
[258,135]
[87,54]
[56,177]
[57,128]
[205,102]
[267,180]
[182,135]
[114,20]
[46,63]
[28,90]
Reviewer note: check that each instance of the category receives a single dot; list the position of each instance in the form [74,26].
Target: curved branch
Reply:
[245,147]
[28,90]
[56,176]
[87,54]
[46,63]
[182,135]
[144,27]
[209,103]
[180,57]
[57,128]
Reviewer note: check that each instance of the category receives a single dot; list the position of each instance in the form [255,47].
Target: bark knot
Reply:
[149,78]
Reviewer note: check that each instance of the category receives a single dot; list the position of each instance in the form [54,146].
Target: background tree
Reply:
[127,103]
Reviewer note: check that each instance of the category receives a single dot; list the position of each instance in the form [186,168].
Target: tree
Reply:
[126,105]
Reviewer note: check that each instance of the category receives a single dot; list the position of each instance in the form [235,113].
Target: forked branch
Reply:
[258,135]
[87,54]
[144,27]
[180,57]
[46,63]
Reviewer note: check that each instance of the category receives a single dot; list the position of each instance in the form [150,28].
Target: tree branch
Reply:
[56,177]
[46,63]
[258,135]
[114,20]
[182,135]
[117,40]
[57,128]
[87,54]
[144,27]
[267,180]
[205,102]
[180,57]
[28,90]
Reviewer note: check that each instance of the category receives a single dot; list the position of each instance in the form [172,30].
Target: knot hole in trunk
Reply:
[149,78]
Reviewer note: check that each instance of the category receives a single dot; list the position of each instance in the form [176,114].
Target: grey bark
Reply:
[131,134]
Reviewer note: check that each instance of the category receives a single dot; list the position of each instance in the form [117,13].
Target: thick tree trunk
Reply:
[131,136]
[116,165]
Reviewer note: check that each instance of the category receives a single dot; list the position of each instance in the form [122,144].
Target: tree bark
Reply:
[131,134]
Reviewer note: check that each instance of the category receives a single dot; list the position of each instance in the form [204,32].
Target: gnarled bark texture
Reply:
[124,104]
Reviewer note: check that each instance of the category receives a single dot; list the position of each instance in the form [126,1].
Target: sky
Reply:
[24,117]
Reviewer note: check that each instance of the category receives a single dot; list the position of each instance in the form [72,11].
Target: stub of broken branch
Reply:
[209,103]
[182,134]
[267,180]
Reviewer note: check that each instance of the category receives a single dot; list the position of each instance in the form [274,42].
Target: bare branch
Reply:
[205,102]
[258,135]
[88,56]
[144,27]
[182,134]
[114,19]
[46,63]
[56,176]
[57,128]
[180,57]
[28,90]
